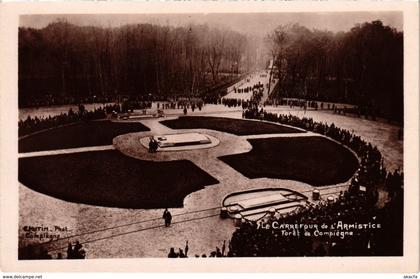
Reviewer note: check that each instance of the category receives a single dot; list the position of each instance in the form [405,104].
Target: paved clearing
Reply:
[114,232]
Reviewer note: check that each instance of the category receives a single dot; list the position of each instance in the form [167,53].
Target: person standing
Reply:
[70,253]
[186,249]
[181,253]
[172,253]
[155,145]
[150,144]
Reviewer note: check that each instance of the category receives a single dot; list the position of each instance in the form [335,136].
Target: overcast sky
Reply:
[246,23]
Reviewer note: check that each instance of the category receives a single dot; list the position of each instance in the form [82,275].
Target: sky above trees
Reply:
[248,23]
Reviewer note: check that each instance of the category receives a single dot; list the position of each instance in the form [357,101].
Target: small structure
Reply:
[181,139]
[255,204]
[143,114]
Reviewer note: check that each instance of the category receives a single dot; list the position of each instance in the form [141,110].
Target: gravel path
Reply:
[66,151]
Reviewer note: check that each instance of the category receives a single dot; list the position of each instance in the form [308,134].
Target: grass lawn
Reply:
[82,134]
[314,160]
[109,178]
[229,125]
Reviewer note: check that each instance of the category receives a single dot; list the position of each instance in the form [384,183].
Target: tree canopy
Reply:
[73,62]
[363,66]
[62,61]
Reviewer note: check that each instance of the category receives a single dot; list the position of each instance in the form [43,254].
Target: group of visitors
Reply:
[181,104]
[301,103]
[250,241]
[305,104]
[75,251]
[357,205]
[256,87]
[365,110]
[372,167]
[34,124]
[217,253]
[130,105]
[47,100]
[181,253]
[237,102]
[233,102]
[40,252]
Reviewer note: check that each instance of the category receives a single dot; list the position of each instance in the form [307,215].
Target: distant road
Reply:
[261,77]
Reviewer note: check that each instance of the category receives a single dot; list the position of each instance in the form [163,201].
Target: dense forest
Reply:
[63,63]
[363,66]
[70,63]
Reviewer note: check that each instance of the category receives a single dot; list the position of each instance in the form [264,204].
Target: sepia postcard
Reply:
[209,136]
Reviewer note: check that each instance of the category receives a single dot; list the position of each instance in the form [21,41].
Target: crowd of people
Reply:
[180,254]
[305,104]
[355,110]
[184,103]
[48,100]
[34,124]
[357,205]
[372,171]
[217,253]
[40,252]
[257,94]
[250,241]
[131,105]
[233,102]
[254,88]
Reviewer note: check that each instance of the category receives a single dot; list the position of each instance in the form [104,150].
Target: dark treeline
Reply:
[363,66]
[65,63]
